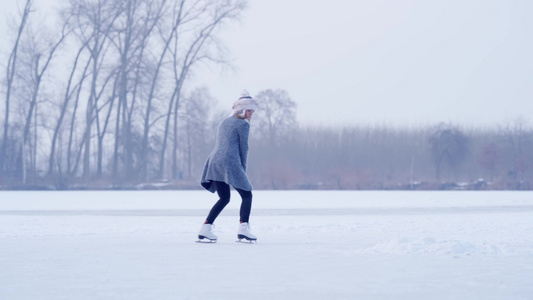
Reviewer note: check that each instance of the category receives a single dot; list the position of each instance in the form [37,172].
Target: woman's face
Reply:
[248,114]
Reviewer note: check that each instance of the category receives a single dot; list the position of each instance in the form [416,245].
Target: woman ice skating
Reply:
[226,165]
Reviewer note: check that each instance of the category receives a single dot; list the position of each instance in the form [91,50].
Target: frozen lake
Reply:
[311,245]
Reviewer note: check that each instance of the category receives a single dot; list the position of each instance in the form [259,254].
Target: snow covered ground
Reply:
[312,245]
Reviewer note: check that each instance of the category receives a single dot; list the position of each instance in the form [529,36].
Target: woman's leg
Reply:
[246,205]
[223,192]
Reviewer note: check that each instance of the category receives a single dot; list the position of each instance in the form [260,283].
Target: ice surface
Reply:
[311,245]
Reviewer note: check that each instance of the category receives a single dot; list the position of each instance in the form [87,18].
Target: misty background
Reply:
[353,95]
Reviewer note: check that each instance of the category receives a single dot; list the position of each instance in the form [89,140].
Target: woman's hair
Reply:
[241,113]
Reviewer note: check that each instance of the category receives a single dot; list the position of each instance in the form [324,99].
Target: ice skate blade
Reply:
[243,237]
[246,241]
[207,241]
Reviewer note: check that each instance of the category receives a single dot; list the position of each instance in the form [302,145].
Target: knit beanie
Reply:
[244,103]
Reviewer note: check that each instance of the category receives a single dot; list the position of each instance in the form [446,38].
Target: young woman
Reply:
[226,166]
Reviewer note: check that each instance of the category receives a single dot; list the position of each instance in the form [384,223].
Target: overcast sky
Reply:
[400,62]
[387,61]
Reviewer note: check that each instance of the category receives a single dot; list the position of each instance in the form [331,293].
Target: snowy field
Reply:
[311,245]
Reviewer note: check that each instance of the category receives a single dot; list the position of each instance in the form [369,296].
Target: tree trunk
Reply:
[66,99]
[11,69]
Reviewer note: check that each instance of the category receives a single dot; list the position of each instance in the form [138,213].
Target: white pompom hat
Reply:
[244,103]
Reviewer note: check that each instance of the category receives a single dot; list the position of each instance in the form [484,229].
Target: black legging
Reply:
[223,191]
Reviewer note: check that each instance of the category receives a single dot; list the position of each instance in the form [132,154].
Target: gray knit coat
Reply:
[227,161]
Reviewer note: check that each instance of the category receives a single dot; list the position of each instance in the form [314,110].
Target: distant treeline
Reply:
[286,155]
[442,156]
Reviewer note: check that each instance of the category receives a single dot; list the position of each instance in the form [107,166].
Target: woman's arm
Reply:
[244,132]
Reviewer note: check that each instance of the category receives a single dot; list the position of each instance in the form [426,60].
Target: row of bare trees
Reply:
[104,93]
[442,156]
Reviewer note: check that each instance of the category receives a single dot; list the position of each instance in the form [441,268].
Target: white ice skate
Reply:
[244,233]
[205,233]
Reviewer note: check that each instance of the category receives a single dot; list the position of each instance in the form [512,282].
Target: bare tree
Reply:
[516,135]
[448,146]
[94,21]
[11,71]
[133,32]
[70,92]
[196,115]
[38,68]
[490,157]
[193,40]
[277,117]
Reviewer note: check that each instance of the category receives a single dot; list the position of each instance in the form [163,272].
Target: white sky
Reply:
[400,62]
[387,61]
